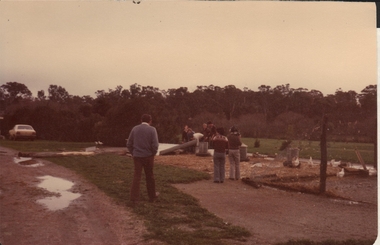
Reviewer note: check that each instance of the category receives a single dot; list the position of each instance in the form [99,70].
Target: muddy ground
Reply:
[269,214]
[90,219]
[273,215]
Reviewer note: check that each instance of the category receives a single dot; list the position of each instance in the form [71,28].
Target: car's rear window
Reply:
[25,127]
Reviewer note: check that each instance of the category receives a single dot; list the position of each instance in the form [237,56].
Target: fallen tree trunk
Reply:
[54,154]
[354,171]
[177,147]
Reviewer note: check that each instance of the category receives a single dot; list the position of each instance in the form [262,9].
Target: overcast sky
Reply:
[90,46]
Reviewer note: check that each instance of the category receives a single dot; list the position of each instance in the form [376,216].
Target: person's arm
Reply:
[239,138]
[130,142]
[184,136]
[155,142]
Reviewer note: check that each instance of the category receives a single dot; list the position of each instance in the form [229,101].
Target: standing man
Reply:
[143,145]
[205,133]
[184,134]
[234,143]
[211,133]
[220,147]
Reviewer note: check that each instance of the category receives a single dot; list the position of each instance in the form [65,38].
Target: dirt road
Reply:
[90,219]
[278,216]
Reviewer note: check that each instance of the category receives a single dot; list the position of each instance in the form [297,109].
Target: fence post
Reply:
[323,167]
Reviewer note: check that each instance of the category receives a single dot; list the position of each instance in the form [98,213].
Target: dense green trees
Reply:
[279,112]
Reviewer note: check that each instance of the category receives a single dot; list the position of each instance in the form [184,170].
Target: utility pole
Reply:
[323,167]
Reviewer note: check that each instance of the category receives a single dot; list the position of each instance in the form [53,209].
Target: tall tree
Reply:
[264,93]
[41,95]
[13,92]
[231,101]
[58,93]
[368,100]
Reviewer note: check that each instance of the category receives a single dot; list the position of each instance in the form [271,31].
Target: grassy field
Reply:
[177,218]
[45,146]
[335,150]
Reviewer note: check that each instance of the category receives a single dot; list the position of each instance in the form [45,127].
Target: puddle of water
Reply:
[38,164]
[21,159]
[90,149]
[57,185]
[27,162]
[347,202]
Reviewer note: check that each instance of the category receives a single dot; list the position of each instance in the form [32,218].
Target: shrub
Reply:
[257,143]
[285,144]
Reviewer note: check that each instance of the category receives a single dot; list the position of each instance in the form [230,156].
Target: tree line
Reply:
[281,112]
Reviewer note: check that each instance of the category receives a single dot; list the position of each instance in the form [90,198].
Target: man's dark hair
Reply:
[233,129]
[146,118]
[220,131]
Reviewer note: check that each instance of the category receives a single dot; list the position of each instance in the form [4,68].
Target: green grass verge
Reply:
[176,219]
[45,146]
[335,150]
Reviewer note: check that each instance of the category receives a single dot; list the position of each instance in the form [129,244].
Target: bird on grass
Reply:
[296,163]
[372,172]
[335,163]
[310,162]
[340,174]
[332,162]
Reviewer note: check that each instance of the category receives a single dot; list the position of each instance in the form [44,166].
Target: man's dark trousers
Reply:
[145,163]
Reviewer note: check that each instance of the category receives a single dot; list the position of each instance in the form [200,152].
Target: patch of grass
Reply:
[329,242]
[335,150]
[176,219]
[45,146]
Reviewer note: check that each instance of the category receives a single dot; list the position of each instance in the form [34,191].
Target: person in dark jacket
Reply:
[211,133]
[184,134]
[205,132]
[190,137]
[220,143]
[234,143]
[143,145]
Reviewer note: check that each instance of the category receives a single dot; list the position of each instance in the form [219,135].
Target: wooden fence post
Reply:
[323,166]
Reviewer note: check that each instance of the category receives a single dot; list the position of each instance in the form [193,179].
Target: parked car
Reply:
[22,131]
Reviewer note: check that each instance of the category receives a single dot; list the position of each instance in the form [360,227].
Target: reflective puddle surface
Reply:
[60,187]
[27,162]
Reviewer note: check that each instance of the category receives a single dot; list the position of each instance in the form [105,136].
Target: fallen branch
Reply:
[360,159]
[54,154]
